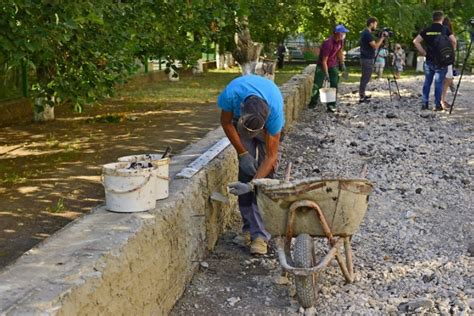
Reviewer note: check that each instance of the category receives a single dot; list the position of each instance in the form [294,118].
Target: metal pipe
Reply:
[319,212]
[307,271]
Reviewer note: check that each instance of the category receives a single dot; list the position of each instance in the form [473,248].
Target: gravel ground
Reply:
[414,252]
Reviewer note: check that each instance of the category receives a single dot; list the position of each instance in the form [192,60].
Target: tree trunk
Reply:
[42,110]
[248,52]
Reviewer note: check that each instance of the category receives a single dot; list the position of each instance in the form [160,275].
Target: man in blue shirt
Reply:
[368,46]
[252,118]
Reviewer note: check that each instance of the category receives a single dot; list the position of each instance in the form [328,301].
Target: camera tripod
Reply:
[464,64]
[393,79]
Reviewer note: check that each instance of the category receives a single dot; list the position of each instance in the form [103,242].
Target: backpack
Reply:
[443,51]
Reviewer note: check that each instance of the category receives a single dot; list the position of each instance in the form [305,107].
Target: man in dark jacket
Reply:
[432,69]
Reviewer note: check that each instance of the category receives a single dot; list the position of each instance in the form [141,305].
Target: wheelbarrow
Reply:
[307,208]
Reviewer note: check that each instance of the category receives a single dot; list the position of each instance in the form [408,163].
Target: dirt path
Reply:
[414,252]
[51,172]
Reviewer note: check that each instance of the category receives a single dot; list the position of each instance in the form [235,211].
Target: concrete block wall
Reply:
[113,264]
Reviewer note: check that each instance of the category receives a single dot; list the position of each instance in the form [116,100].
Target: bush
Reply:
[309,55]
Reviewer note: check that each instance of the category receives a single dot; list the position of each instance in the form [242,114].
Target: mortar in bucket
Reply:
[129,188]
[161,173]
[327,94]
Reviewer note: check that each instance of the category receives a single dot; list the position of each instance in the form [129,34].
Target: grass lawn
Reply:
[203,88]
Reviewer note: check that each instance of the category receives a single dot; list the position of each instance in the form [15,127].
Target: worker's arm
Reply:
[271,156]
[231,132]
[417,42]
[453,41]
[324,64]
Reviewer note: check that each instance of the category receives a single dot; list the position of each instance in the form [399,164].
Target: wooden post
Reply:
[24,78]
[146,64]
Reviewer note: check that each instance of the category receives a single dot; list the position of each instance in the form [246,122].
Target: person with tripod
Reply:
[368,46]
[439,54]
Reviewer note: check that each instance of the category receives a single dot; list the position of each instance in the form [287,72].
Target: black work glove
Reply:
[248,164]
[239,188]
[342,67]
[326,77]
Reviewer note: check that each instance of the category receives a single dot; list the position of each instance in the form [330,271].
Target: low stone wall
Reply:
[108,263]
[297,93]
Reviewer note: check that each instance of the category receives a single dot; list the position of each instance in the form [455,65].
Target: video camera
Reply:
[385,29]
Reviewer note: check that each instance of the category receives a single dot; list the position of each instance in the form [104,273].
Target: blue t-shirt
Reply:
[366,51]
[240,88]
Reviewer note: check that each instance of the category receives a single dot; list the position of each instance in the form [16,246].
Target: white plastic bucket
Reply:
[128,190]
[327,95]
[420,63]
[161,173]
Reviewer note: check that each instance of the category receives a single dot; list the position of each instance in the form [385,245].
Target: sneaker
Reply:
[445,105]
[365,99]
[424,106]
[331,109]
[438,108]
[242,239]
[258,246]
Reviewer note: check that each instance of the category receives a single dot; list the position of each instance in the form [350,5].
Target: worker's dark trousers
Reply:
[367,66]
[247,202]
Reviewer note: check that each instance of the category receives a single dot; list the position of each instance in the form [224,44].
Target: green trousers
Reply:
[318,83]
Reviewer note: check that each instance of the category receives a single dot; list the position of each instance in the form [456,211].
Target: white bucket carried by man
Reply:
[327,94]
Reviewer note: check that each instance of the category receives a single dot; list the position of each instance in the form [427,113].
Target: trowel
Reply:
[219,197]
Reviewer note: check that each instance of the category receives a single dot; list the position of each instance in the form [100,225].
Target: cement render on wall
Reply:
[140,263]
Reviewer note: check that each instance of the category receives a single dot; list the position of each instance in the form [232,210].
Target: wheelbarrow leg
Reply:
[348,249]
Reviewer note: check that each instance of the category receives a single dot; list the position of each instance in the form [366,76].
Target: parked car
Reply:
[294,53]
[352,56]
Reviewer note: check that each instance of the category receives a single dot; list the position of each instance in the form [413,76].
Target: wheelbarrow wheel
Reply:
[303,257]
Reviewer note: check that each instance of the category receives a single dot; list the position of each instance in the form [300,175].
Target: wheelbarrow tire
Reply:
[303,257]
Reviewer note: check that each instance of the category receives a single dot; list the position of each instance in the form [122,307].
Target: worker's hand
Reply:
[239,188]
[248,164]
[326,77]
[342,67]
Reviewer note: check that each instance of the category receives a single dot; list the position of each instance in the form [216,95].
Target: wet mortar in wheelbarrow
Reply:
[308,208]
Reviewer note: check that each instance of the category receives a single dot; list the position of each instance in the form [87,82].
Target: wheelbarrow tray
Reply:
[342,201]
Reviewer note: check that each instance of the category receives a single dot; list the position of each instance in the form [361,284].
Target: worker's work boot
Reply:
[242,239]
[258,246]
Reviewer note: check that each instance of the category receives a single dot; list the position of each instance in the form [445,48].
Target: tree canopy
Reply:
[79,50]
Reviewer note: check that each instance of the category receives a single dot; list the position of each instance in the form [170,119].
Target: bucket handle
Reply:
[127,191]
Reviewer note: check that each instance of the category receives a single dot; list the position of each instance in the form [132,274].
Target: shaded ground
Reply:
[50,173]
[414,251]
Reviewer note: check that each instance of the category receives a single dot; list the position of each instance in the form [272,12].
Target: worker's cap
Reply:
[340,29]
[253,115]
